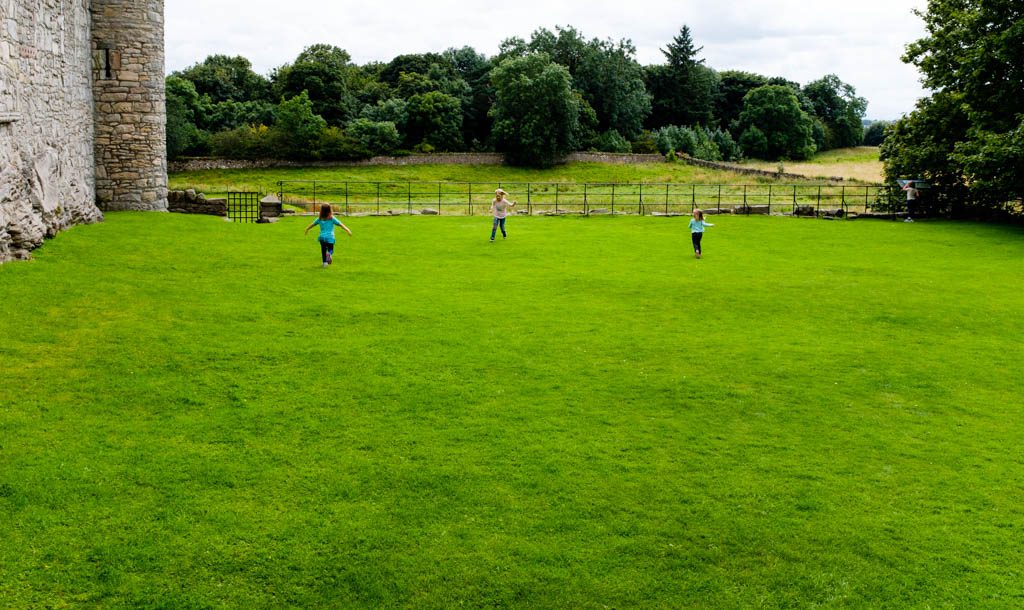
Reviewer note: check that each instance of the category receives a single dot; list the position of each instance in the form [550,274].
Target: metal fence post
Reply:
[378,198]
[470,185]
[529,202]
[818,213]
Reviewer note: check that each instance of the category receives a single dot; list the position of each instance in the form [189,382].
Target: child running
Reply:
[500,207]
[697,226]
[327,222]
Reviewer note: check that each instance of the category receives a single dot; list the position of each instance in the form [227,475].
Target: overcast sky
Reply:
[860,41]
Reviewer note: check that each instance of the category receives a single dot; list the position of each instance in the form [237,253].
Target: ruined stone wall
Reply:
[46,122]
[128,88]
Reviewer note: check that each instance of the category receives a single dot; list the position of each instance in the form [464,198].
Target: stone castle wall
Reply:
[128,88]
[46,122]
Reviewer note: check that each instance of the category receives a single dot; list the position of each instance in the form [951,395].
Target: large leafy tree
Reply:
[222,78]
[323,71]
[475,70]
[605,73]
[428,82]
[875,133]
[773,126]
[298,127]
[611,81]
[184,106]
[836,104]
[967,138]
[536,114]
[684,89]
[733,86]
[230,93]
[434,118]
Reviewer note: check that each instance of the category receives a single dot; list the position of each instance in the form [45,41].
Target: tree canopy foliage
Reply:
[967,138]
[536,114]
[460,99]
[773,126]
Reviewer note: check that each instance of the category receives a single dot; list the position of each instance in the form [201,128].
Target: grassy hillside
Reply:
[265,179]
[860,163]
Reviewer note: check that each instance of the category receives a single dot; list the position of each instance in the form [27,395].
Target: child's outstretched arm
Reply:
[306,232]
[347,230]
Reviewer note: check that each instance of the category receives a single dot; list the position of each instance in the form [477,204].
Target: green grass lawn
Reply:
[444,187]
[265,180]
[194,414]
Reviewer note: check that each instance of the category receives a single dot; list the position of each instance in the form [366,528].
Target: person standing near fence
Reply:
[912,196]
[500,207]
[327,221]
[697,226]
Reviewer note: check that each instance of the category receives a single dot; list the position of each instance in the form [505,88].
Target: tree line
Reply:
[535,101]
[966,139]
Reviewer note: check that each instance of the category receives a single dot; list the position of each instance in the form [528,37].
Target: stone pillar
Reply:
[130,113]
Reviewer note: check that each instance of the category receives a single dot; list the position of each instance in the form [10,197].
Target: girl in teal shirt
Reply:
[327,221]
[697,225]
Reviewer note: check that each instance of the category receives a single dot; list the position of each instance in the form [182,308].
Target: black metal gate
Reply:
[243,206]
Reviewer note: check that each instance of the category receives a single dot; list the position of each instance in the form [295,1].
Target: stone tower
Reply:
[128,95]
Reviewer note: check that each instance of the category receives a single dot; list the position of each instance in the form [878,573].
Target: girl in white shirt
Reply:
[500,207]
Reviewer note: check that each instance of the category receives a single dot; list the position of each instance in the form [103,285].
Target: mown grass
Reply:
[195,414]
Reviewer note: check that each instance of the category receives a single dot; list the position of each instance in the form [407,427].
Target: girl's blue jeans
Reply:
[498,222]
[326,248]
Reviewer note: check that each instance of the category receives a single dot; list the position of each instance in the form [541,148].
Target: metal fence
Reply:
[468,198]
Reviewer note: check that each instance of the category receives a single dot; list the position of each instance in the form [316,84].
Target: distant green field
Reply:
[195,414]
[266,179]
[466,189]
[860,163]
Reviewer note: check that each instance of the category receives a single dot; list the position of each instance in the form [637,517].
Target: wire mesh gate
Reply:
[243,206]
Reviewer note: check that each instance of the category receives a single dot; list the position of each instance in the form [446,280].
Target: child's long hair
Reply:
[698,215]
[326,213]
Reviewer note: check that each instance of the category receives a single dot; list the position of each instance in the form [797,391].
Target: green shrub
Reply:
[679,139]
[377,137]
[646,144]
[246,142]
[610,141]
[334,144]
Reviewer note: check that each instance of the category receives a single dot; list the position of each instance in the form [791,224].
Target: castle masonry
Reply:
[128,88]
[81,115]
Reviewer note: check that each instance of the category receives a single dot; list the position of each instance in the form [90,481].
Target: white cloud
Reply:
[861,42]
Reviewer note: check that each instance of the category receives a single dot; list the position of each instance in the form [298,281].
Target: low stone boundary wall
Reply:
[190,202]
[619,158]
